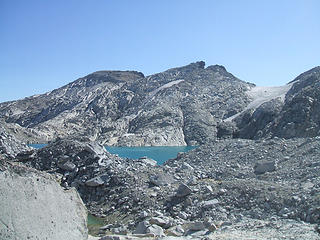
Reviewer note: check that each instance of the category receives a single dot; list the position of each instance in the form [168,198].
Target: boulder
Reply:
[94,182]
[185,166]
[161,179]
[175,231]
[196,226]
[183,190]
[68,166]
[34,206]
[210,203]
[142,227]
[148,161]
[155,230]
[264,166]
[162,222]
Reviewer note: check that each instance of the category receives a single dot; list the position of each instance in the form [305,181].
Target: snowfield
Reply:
[261,95]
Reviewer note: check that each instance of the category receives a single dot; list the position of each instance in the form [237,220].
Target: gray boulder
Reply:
[155,230]
[210,203]
[160,221]
[161,179]
[196,226]
[34,206]
[68,166]
[94,182]
[264,166]
[147,161]
[183,190]
[142,227]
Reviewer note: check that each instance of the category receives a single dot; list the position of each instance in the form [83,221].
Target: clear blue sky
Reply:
[46,44]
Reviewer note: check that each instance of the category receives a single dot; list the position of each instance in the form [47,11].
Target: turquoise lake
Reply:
[160,154]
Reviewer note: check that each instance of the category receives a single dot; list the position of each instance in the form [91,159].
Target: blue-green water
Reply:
[160,154]
[38,145]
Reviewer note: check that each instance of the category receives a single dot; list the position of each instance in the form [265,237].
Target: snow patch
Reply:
[261,95]
[167,85]
[128,134]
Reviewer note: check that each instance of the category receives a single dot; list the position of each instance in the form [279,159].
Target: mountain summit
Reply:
[188,105]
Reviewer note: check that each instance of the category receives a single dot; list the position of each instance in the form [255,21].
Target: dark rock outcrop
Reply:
[294,113]
[300,115]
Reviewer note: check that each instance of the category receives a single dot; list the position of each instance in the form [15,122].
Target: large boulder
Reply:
[264,166]
[34,206]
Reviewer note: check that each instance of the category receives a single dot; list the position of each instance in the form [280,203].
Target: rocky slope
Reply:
[215,190]
[9,145]
[287,112]
[259,179]
[186,105]
[177,107]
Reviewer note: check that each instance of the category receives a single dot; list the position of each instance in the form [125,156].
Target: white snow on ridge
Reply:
[167,85]
[261,95]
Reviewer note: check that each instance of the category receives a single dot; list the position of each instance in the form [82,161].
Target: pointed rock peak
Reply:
[199,64]
[217,68]
[195,65]
[190,67]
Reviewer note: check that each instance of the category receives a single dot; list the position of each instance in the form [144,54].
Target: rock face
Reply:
[177,107]
[287,112]
[300,115]
[190,105]
[34,206]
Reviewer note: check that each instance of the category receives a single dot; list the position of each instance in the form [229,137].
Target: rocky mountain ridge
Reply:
[189,105]
[177,107]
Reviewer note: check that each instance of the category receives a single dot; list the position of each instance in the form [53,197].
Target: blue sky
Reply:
[46,44]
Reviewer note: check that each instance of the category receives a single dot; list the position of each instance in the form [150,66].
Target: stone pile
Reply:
[222,184]
[9,145]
